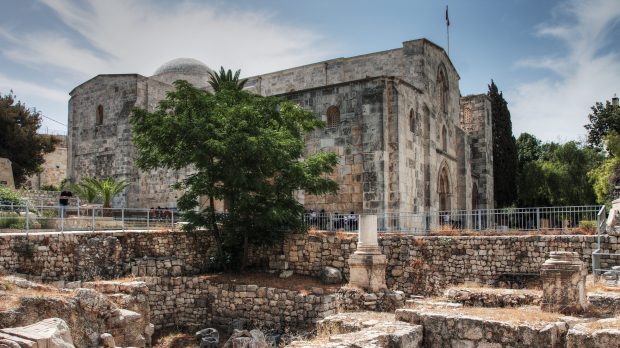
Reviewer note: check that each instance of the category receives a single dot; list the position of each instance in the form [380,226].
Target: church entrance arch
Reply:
[443,188]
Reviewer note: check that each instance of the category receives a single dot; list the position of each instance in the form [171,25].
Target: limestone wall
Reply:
[86,255]
[427,265]
[192,301]
[6,173]
[416,265]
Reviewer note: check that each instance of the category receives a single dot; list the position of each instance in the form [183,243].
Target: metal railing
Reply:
[502,220]
[15,218]
[603,259]
[28,218]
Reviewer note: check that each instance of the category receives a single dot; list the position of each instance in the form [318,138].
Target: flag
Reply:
[447,19]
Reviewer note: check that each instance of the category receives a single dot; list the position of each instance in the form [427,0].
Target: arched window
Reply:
[412,125]
[99,119]
[444,139]
[333,116]
[442,86]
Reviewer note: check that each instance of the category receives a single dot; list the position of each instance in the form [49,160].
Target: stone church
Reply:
[408,142]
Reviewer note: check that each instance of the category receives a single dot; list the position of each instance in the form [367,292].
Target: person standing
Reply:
[64,201]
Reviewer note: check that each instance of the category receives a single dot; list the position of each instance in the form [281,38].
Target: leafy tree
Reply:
[246,150]
[504,150]
[19,141]
[552,174]
[226,80]
[605,176]
[603,119]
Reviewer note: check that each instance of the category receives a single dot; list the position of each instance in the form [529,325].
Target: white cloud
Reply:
[557,108]
[139,35]
[24,88]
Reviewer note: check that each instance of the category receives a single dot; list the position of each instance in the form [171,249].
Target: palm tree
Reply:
[85,190]
[225,79]
[108,188]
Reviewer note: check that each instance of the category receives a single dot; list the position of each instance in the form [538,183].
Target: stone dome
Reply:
[183,66]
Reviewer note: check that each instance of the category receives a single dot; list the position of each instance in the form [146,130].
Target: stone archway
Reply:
[443,188]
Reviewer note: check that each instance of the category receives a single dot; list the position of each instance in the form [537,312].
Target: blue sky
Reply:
[552,59]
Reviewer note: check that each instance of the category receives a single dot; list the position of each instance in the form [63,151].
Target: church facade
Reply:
[407,141]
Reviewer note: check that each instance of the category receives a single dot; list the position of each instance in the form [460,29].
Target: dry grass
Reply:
[450,231]
[11,298]
[599,286]
[488,289]
[175,340]
[8,302]
[295,282]
[613,323]
[526,314]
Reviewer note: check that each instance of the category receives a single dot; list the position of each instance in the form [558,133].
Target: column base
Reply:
[367,271]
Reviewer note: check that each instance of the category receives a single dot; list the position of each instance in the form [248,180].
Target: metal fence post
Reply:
[27,219]
[172,219]
[123,219]
[538,219]
[62,220]
[148,213]
[93,226]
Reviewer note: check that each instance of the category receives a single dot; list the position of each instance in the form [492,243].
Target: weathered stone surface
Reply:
[481,297]
[603,333]
[363,329]
[208,338]
[246,339]
[331,275]
[451,329]
[48,333]
[107,340]
[564,283]
[355,299]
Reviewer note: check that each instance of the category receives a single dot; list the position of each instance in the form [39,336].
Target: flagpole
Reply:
[448,29]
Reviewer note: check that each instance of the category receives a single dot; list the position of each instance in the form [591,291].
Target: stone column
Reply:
[564,283]
[367,264]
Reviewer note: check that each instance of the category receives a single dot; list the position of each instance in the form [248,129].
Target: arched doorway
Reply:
[474,197]
[443,188]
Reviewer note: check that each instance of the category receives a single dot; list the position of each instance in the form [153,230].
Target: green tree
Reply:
[246,150]
[504,150]
[552,174]
[603,119]
[226,80]
[19,141]
[604,178]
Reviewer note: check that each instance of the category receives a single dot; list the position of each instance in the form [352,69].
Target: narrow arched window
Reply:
[333,116]
[412,121]
[99,119]
[444,139]
[442,86]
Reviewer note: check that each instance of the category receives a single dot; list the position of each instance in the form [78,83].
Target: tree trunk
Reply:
[216,231]
[246,251]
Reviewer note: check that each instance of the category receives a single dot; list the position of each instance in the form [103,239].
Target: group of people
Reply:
[323,220]
[159,213]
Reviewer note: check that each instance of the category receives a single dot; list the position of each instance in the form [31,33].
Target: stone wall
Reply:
[87,255]
[194,301]
[54,167]
[427,265]
[416,265]
[6,173]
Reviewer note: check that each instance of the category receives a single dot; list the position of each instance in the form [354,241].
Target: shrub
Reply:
[49,188]
[9,196]
[587,226]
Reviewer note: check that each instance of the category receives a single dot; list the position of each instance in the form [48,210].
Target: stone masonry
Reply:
[395,119]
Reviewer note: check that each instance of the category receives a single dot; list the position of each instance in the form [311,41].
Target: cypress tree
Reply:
[504,150]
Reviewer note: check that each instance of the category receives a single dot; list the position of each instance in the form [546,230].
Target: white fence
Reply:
[14,218]
[28,218]
[521,219]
